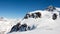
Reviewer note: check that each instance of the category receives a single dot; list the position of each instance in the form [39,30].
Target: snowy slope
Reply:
[58,8]
[44,25]
[7,24]
[51,27]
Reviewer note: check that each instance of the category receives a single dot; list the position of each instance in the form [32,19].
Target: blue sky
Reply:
[18,8]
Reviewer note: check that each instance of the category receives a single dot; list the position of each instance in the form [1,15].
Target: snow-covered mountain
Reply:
[46,22]
[44,19]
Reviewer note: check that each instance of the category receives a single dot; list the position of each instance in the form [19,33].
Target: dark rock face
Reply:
[19,27]
[50,8]
[27,15]
[54,16]
[38,14]
[33,15]
[23,27]
[15,28]
[31,28]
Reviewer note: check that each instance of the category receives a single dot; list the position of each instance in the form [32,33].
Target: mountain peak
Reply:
[50,8]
